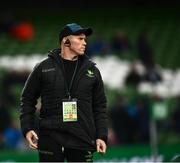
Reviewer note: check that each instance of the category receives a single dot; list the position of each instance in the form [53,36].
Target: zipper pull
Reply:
[69,96]
[62,149]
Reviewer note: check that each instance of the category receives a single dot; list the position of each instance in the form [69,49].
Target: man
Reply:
[73,116]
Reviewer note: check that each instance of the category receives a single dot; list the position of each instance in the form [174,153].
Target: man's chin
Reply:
[81,53]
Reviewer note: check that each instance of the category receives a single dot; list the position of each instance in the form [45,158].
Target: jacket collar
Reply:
[54,54]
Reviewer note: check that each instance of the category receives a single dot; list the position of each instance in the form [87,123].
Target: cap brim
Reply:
[86,31]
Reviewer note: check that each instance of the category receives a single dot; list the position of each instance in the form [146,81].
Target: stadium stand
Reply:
[163,33]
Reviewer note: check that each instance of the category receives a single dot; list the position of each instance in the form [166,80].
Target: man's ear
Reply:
[66,42]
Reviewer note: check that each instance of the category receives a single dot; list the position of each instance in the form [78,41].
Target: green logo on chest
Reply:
[90,73]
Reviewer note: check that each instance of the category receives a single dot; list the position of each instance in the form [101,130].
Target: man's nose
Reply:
[84,43]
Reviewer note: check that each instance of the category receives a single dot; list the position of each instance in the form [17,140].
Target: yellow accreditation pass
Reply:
[69,110]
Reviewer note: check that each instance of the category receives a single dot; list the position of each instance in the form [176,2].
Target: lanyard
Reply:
[68,88]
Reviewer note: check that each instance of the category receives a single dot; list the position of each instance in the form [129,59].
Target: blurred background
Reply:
[136,47]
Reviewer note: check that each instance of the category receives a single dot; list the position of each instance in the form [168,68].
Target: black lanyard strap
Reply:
[68,88]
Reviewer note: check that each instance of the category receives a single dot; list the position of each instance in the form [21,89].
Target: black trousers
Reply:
[51,151]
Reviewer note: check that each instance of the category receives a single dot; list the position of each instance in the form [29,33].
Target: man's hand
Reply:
[101,146]
[32,138]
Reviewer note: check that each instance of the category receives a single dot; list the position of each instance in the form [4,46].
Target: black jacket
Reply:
[47,81]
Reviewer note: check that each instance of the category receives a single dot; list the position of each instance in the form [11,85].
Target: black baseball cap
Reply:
[74,29]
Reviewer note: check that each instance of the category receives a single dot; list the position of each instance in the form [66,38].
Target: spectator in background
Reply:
[98,46]
[5,117]
[12,136]
[152,74]
[22,31]
[176,117]
[143,119]
[120,43]
[130,120]
[119,118]
[124,121]
[10,80]
[144,48]
[132,125]
[145,51]
[134,77]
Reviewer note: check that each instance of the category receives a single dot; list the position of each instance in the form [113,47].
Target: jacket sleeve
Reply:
[28,100]
[100,108]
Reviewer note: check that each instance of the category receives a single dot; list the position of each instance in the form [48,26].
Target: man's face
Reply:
[78,43]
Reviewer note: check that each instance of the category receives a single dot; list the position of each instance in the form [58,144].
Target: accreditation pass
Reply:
[69,110]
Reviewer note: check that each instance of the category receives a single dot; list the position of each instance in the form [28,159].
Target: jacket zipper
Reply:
[62,149]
